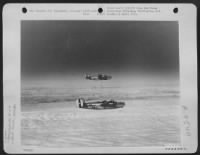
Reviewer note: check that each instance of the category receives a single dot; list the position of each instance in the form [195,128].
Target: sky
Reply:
[70,47]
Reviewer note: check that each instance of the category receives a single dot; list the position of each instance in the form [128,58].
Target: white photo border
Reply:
[12,17]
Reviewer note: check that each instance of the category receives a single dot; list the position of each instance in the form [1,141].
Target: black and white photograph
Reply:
[100,78]
[100,83]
